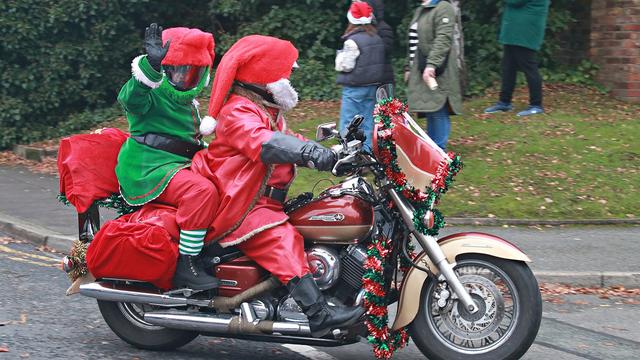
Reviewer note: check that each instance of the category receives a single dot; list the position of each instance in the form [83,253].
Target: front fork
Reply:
[432,249]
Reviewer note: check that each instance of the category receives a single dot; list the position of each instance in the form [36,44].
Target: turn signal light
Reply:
[428,219]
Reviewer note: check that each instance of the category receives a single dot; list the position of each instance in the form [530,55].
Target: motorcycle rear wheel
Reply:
[126,321]
[506,324]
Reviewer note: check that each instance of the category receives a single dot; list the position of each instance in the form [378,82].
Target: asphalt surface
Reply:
[38,322]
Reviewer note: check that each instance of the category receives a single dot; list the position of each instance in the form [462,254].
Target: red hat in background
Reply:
[360,13]
[254,59]
[188,47]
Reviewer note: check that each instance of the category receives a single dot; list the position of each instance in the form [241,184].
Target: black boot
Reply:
[322,316]
[190,274]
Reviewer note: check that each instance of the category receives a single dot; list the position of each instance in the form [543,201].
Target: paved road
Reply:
[38,322]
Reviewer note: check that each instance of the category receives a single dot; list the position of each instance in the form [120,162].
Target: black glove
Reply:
[318,157]
[287,149]
[153,45]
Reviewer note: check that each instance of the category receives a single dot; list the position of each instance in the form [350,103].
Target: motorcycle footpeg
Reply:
[186,292]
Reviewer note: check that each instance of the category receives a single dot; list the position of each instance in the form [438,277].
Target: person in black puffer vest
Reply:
[361,66]
[385,31]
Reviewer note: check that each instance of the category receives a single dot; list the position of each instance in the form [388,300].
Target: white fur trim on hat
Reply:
[284,94]
[208,125]
[139,75]
[360,21]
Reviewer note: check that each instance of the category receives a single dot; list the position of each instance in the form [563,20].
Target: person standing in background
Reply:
[361,67]
[432,70]
[386,34]
[521,34]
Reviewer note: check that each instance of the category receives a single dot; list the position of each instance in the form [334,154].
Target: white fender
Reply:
[453,246]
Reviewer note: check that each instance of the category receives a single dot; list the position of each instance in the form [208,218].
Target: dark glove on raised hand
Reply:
[153,45]
[286,149]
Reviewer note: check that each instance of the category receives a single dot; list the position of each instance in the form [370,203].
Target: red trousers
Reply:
[195,197]
[279,250]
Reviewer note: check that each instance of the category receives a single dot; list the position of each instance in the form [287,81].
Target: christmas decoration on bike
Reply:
[422,183]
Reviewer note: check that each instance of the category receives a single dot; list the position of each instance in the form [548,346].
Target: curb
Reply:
[62,243]
[534,222]
[34,153]
[590,279]
[35,234]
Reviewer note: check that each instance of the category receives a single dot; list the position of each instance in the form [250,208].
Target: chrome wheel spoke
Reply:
[495,295]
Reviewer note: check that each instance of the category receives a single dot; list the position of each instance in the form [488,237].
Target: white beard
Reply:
[284,94]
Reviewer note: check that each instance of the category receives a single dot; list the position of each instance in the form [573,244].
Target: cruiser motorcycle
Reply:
[464,296]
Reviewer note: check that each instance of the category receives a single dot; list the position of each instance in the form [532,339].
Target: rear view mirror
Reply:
[326,131]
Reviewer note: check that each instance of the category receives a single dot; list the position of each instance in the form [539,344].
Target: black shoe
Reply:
[322,316]
[190,274]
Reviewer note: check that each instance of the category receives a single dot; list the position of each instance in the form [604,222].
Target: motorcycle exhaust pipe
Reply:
[108,291]
[226,324]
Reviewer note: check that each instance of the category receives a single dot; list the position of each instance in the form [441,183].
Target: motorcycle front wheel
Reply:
[506,324]
[127,321]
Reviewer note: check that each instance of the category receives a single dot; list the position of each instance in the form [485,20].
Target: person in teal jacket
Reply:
[522,34]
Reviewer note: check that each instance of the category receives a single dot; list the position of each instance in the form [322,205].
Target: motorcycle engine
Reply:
[338,275]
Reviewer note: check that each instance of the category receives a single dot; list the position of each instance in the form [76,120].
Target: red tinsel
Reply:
[438,182]
[373,264]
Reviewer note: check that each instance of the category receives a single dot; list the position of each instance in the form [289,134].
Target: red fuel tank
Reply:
[334,220]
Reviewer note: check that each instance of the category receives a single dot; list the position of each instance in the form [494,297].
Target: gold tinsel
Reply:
[78,260]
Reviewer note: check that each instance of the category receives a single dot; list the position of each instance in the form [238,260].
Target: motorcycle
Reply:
[464,296]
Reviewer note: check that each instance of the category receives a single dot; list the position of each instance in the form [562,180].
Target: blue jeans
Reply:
[438,126]
[359,100]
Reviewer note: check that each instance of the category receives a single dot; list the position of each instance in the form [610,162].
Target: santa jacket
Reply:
[233,163]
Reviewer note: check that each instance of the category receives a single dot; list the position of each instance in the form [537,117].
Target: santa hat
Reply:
[254,59]
[360,13]
[188,47]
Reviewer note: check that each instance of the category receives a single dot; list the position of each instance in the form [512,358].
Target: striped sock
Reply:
[191,241]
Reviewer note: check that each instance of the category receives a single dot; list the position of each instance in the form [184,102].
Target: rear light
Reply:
[67,264]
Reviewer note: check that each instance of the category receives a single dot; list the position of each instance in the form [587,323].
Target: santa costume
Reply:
[252,162]
[164,124]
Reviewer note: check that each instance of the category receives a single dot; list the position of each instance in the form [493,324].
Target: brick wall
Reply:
[615,46]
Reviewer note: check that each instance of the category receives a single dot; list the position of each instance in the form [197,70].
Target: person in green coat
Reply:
[433,70]
[521,34]
[166,132]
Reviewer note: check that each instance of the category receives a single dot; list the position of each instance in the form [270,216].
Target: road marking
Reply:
[33,256]
[309,352]
[31,261]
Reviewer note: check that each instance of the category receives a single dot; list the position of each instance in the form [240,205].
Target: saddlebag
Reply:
[135,251]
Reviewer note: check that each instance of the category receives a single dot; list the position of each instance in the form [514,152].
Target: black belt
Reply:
[275,194]
[169,144]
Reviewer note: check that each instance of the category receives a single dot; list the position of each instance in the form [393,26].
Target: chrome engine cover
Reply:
[324,263]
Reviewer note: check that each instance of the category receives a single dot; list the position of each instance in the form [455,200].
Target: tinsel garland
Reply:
[385,341]
[115,202]
[77,259]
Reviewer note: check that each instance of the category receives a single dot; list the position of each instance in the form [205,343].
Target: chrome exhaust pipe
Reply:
[246,323]
[110,291]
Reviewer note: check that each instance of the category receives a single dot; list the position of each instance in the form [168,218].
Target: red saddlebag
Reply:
[133,250]
[86,164]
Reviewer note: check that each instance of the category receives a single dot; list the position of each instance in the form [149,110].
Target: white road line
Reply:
[309,352]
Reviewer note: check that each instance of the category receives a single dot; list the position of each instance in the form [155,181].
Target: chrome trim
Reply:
[326,263]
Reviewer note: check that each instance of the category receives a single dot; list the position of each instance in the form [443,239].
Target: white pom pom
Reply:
[208,125]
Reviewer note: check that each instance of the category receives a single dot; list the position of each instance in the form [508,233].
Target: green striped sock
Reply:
[191,241]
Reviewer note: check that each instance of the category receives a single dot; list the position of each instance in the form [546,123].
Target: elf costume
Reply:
[166,132]
[252,161]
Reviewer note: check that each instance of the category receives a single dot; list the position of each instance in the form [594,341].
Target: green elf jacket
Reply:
[144,172]
[523,23]
[436,25]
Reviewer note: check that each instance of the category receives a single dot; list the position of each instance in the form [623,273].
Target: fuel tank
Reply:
[343,219]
